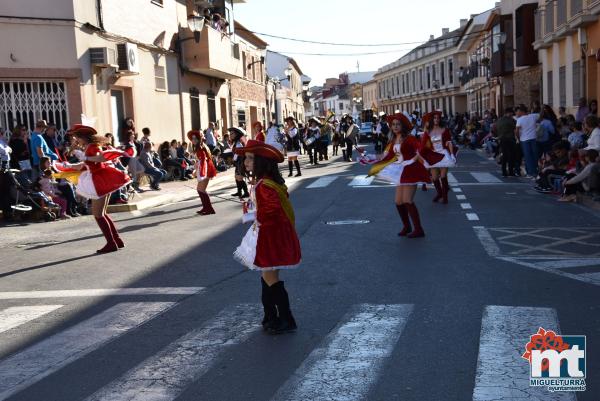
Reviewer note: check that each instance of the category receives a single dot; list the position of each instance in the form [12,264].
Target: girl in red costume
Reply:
[403,166]
[438,139]
[98,180]
[205,170]
[271,244]
[259,132]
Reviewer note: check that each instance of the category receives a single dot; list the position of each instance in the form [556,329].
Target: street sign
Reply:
[280,94]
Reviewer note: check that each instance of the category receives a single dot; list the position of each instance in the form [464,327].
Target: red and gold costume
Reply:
[101,178]
[271,243]
[399,167]
[205,167]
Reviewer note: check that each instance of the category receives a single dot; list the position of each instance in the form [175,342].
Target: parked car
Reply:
[367,132]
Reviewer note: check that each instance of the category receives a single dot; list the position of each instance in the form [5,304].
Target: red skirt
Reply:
[101,182]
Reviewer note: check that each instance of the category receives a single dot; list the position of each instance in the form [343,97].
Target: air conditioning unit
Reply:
[128,58]
[103,57]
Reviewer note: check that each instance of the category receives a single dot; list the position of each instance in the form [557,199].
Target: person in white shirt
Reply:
[5,151]
[526,135]
[593,129]
[273,137]
[209,136]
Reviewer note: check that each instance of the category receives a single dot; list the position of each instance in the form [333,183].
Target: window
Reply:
[244,65]
[403,84]
[241,115]
[397,84]
[160,83]
[450,72]
[576,81]
[212,107]
[443,73]
[428,78]
[195,108]
[562,84]
[420,79]
[550,86]
[414,81]
[433,72]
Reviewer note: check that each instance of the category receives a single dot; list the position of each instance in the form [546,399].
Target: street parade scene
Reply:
[248,200]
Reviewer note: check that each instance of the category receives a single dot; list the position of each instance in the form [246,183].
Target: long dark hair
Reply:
[403,132]
[430,123]
[266,168]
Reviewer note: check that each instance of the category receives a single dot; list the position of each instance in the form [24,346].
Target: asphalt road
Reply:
[445,317]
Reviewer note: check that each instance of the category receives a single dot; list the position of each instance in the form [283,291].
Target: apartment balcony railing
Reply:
[216,55]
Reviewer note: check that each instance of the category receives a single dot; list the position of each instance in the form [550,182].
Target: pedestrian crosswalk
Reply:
[346,364]
[363,181]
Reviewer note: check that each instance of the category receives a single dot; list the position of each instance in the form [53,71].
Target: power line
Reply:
[432,41]
[341,54]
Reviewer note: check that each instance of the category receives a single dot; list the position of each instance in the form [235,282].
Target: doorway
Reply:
[117,112]
[253,117]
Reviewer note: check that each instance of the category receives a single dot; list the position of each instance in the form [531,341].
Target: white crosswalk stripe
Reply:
[100,292]
[17,315]
[485,177]
[501,372]
[361,181]
[452,179]
[165,375]
[349,362]
[323,182]
[47,356]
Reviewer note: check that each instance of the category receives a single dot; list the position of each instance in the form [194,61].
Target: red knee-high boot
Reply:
[207,205]
[200,194]
[111,245]
[114,232]
[438,189]
[445,189]
[403,212]
[414,216]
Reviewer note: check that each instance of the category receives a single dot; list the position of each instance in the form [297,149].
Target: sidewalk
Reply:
[172,192]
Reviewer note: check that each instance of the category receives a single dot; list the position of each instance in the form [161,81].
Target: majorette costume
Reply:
[260,134]
[440,144]
[99,179]
[293,148]
[205,169]
[313,135]
[271,243]
[238,140]
[399,167]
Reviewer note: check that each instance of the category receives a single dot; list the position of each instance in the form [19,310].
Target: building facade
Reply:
[108,60]
[288,86]
[568,39]
[249,94]
[369,95]
[426,78]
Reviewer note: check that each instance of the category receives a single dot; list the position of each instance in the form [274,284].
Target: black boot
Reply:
[285,323]
[239,190]
[244,188]
[291,167]
[297,164]
[270,318]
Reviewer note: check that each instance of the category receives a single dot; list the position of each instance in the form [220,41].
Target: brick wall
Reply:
[527,85]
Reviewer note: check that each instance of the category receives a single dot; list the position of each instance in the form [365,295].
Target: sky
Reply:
[397,22]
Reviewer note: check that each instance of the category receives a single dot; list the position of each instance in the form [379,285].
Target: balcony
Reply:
[215,56]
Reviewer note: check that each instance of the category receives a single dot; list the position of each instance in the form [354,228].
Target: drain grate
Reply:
[346,222]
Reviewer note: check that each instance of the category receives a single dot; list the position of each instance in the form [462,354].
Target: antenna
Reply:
[357,66]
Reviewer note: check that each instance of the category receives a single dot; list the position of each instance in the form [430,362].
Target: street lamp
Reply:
[196,24]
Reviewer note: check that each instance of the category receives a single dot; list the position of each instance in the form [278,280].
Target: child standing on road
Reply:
[271,244]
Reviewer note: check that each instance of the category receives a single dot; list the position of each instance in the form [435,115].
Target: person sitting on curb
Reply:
[147,160]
